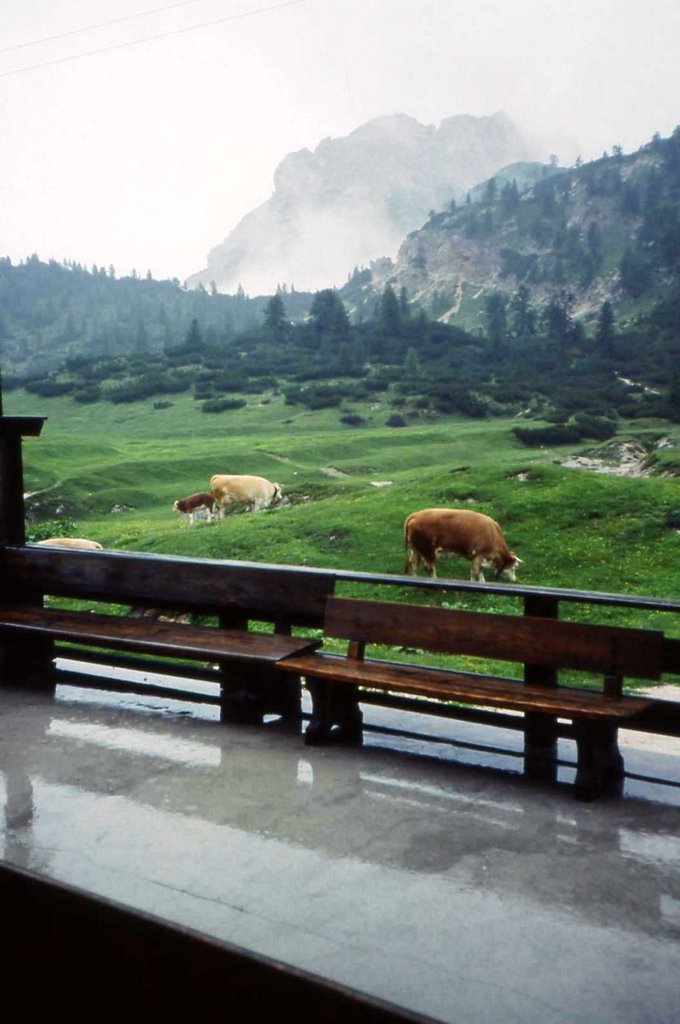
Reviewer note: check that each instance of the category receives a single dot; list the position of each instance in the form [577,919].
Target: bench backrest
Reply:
[610,650]
[167,581]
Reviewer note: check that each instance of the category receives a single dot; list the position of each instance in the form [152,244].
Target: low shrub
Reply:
[89,393]
[597,427]
[222,404]
[534,437]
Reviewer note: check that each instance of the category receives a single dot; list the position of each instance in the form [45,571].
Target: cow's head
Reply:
[278,491]
[175,506]
[506,570]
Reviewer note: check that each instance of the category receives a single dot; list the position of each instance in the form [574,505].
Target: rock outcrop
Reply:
[355,198]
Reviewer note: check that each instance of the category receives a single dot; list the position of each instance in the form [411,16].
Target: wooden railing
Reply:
[138,578]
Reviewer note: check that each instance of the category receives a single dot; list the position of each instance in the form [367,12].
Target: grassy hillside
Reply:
[111,473]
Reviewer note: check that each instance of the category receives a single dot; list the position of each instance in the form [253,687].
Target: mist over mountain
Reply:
[355,198]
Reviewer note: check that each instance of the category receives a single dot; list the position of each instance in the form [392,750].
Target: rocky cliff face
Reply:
[564,231]
[354,199]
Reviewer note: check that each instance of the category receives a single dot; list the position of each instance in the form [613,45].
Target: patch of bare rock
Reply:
[617,458]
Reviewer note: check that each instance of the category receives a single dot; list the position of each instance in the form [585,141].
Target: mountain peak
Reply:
[355,197]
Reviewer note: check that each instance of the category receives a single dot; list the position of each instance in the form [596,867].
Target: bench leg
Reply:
[318,730]
[540,747]
[248,693]
[348,716]
[242,695]
[336,715]
[600,769]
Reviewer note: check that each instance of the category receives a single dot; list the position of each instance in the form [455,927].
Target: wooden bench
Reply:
[234,594]
[541,645]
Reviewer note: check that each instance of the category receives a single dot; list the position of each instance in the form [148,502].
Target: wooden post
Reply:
[12,429]
[19,661]
[540,730]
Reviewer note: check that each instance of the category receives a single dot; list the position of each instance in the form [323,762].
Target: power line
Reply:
[158,35]
[100,24]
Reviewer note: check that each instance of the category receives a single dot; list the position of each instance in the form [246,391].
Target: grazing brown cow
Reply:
[255,491]
[192,504]
[460,532]
[72,542]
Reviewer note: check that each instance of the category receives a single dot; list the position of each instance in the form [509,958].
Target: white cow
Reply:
[72,542]
[255,491]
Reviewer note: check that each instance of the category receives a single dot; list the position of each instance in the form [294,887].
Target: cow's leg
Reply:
[411,562]
[427,554]
[476,574]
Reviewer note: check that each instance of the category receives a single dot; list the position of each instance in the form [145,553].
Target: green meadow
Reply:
[111,473]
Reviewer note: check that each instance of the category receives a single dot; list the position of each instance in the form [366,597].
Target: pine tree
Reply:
[490,191]
[275,318]
[412,367]
[390,313]
[496,321]
[194,337]
[509,198]
[523,314]
[605,329]
[329,316]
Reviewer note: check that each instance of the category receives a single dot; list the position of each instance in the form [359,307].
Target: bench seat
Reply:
[465,687]
[124,632]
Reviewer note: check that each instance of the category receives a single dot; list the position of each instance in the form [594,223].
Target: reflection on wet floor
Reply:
[401,868]
[136,741]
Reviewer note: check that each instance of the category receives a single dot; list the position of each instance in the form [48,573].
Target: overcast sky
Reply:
[146,154]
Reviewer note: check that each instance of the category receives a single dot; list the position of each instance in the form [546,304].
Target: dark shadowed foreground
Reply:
[400,869]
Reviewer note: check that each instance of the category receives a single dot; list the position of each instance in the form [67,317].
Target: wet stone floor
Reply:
[432,876]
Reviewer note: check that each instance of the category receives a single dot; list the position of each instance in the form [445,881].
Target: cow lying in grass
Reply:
[72,542]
